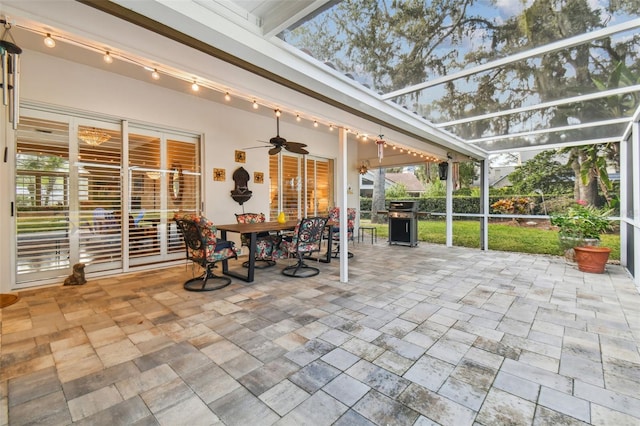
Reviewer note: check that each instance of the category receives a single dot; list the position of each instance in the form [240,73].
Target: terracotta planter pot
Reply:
[568,243]
[592,259]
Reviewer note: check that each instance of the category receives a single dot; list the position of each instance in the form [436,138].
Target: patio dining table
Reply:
[252,230]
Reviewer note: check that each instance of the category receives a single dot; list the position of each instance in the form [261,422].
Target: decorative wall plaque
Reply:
[241,157]
[219,175]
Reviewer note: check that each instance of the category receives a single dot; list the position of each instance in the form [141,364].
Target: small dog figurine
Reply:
[77,278]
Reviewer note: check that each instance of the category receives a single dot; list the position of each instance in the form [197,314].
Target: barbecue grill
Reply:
[403,223]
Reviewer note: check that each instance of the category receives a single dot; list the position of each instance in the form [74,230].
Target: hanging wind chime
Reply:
[380,143]
[10,72]
[9,53]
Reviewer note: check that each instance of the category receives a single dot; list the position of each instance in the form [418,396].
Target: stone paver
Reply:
[422,336]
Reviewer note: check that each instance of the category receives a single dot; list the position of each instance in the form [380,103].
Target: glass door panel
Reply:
[183,186]
[304,190]
[42,199]
[100,198]
[145,208]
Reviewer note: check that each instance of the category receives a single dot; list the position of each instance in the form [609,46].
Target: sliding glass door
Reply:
[98,193]
[300,186]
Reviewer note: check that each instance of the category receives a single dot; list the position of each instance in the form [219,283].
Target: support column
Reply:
[449,206]
[634,183]
[484,204]
[342,203]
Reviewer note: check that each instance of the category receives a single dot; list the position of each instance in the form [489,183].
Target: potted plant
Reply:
[580,228]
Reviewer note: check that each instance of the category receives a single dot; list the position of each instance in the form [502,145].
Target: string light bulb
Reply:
[49,42]
[195,86]
[315,123]
[331,127]
[255,104]
[107,57]
[298,117]
[227,97]
[278,113]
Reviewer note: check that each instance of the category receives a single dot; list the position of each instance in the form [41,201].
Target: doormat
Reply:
[7,300]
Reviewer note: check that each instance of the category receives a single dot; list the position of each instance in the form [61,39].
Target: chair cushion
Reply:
[264,242]
[334,216]
[251,217]
[215,249]
[289,245]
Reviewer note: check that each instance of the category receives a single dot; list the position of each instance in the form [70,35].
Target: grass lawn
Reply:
[503,237]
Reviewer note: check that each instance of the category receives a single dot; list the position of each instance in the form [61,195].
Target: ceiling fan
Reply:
[279,142]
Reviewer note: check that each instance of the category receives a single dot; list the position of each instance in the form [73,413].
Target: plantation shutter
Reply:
[183,183]
[306,186]
[42,197]
[100,203]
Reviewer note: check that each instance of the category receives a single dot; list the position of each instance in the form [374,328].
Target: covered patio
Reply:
[452,336]
[396,335]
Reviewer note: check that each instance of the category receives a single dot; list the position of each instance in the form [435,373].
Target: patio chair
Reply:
[203,248]
[334,216]
[264,240]
[306,239]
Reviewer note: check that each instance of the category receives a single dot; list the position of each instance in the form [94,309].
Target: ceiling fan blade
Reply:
[296,149]
[298,144]
[274,150]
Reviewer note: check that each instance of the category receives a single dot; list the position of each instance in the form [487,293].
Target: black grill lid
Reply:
[411,206]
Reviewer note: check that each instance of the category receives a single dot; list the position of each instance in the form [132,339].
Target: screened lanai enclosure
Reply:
[450,81]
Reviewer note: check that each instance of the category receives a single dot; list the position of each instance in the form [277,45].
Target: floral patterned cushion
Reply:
[264,241]
[250,217]
[215,249]
[307,237]
[334,216]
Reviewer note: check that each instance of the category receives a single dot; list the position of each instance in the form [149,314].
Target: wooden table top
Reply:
[247,228]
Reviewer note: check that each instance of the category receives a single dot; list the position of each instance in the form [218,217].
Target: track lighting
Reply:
[49,42]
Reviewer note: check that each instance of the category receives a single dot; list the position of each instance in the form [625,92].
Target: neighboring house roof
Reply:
[409,180]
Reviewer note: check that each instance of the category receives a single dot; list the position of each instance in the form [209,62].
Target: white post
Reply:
[635,188]
[449,206]
[484,207]
[342,193]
